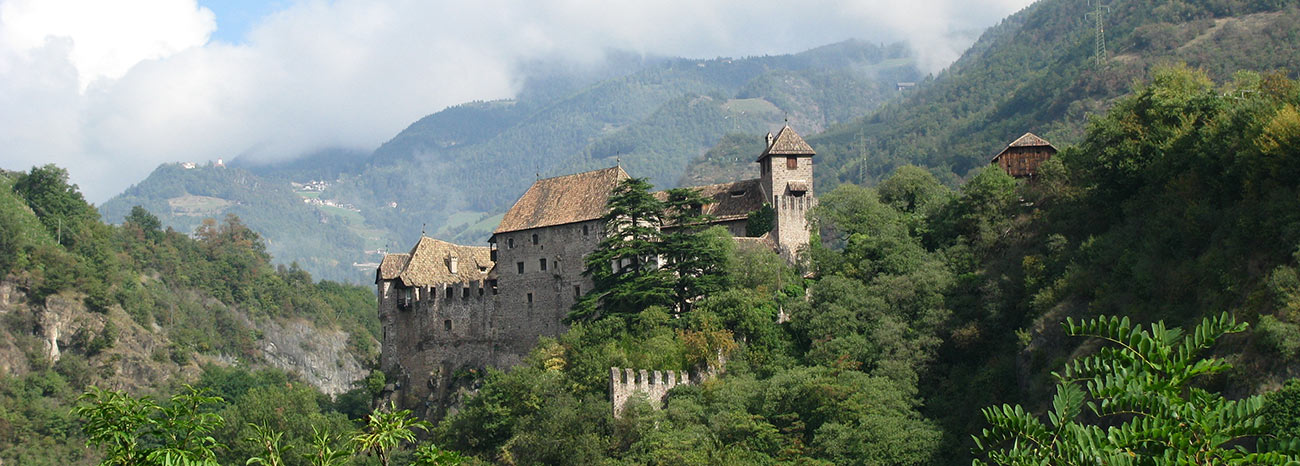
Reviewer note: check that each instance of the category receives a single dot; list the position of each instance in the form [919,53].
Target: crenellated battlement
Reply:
[445,308]
[654,385]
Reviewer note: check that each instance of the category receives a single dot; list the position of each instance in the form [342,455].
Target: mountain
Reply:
[322,239]
[452,173]
[145,309]
[1038,72]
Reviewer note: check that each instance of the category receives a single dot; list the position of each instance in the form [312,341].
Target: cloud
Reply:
[111,89]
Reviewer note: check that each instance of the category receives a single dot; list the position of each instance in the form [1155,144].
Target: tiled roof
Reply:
[798,186]
[731,201]
[1027,140]
[392,265]
[427,264]
[787,142]
[562,199]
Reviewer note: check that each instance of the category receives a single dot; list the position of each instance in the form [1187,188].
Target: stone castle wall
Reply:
[626,384]
[426,342]
[450,329]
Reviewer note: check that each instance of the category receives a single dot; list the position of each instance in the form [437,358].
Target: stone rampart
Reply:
[653,385]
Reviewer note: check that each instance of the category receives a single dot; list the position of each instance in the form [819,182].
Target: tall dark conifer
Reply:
[694,258]
[625,265]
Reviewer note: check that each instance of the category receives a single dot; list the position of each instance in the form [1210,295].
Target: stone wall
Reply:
[535,302]
[427,342]
[625,384]
[791,229]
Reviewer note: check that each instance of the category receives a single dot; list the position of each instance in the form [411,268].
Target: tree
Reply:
[695,258]
[137,431]
[115,421]
[1139,389]
[430,455]
[322,451]
[624,268]
[266,439]
[58,203]
[385,430]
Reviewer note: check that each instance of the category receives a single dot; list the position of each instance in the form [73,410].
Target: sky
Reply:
[111,89]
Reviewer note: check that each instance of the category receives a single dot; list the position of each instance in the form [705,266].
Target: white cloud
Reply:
[111,89]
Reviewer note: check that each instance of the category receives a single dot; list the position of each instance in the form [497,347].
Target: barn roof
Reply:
[1027,140]
[731,201]
[787,142]
[563,199]
[427,264]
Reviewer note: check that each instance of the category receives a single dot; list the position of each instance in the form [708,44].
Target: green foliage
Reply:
[1035,71]
[760,222]
[385,430]
[430,455]
[624,267]
[181,199]
[325,449]
[1143,382]
[1282,411]
[136,431]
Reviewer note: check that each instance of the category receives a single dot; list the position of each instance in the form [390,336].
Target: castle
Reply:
[447,309]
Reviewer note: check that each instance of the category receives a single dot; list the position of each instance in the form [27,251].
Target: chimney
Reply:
[452,262]
[770,139]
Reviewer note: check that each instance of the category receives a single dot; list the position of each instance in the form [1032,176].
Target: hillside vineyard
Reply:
[448,309]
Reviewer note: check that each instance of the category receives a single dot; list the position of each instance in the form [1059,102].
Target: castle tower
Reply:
[786,167]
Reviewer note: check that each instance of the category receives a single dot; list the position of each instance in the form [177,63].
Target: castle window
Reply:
[530,298]
[480,291]
[510,243]
[534,238]
[584,230]
[791,163]
[519,266]
[464,293]
[446,325]
[577,291]
[449,293]
[542,262]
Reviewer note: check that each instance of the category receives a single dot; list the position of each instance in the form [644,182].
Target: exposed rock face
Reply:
[36,335]
[320,356]
[56,318]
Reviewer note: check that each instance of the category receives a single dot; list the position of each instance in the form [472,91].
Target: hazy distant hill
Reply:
[320,239]
[450,169]
[1037,71]
[453,172]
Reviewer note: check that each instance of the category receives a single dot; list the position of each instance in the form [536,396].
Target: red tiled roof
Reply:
[563,199]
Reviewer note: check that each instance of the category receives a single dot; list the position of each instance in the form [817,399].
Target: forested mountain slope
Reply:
[444,168]
[318,239]
[453,172]
[926,304]
[1037,71]
[145,309]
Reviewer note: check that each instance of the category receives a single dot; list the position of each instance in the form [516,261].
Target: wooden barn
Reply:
[1021,158]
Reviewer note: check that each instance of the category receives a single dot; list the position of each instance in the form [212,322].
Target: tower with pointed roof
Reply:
[447,310]
[786,176]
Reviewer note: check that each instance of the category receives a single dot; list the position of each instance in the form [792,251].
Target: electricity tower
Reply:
[1099,17]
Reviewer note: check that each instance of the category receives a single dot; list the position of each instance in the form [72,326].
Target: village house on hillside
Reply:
[446,309]
[1022,157]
